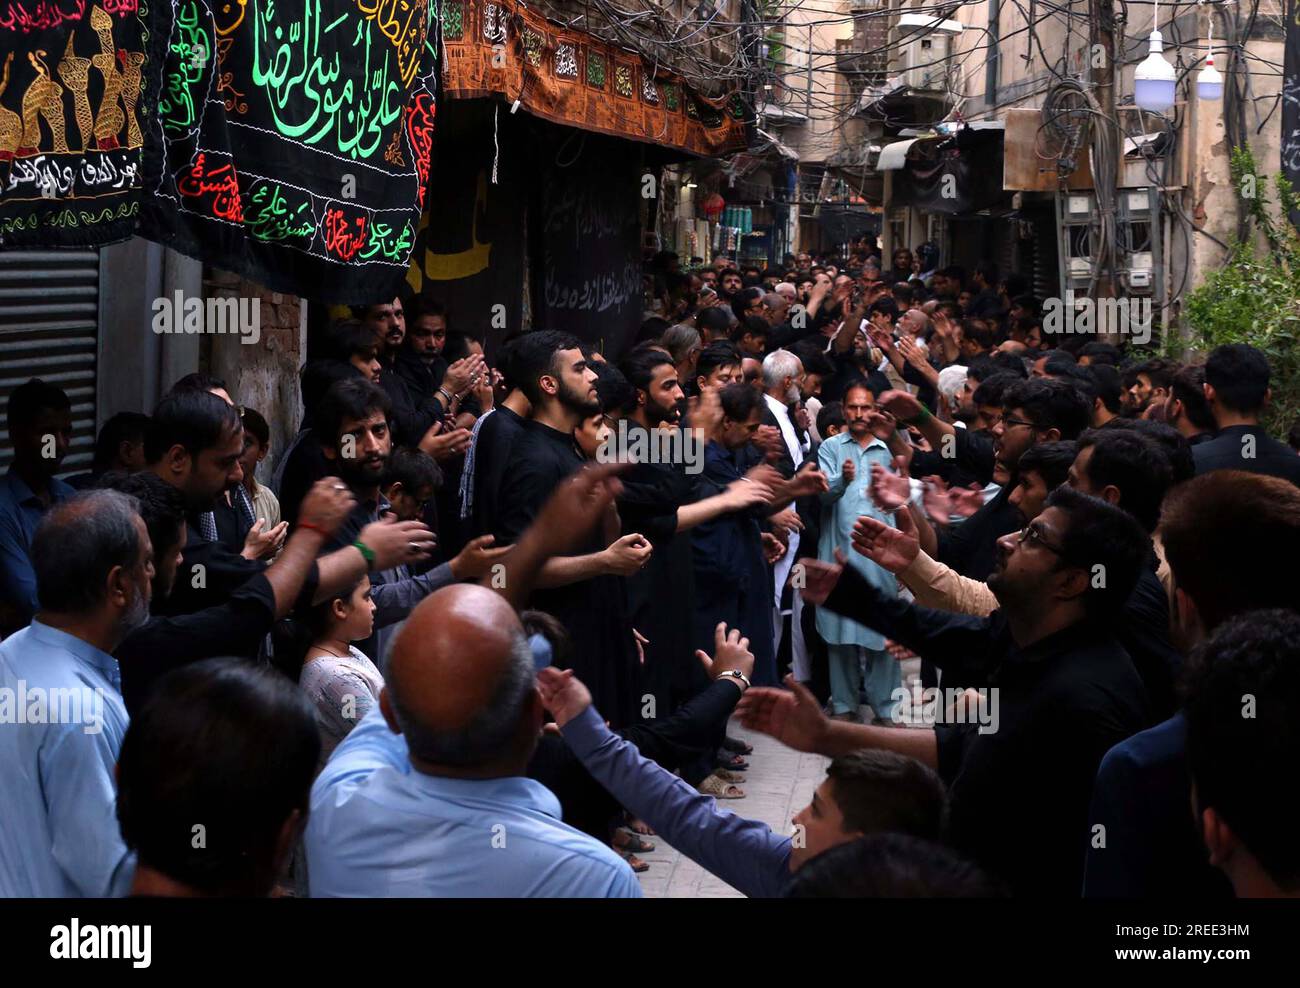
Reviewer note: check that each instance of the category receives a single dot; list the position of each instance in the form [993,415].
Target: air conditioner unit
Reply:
[865,4]
[924,46]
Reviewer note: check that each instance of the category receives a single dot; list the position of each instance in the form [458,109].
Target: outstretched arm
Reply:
[743,853]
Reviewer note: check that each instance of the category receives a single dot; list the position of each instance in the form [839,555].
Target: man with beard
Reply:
[93,565]
[847,460]
[656,501]
[418,405]
[194,443]
[430,382]
[733,579]
[731,282]
[238,626]
[233,521]
[584,592]
[1020,770]
[783,376]
[1033,411]
[353,423]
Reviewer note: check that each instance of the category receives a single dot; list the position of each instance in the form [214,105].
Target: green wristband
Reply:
[918,419]
[367,552]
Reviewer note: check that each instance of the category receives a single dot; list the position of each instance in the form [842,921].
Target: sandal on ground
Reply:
[720,789]
[733,762]
[728,776]
[625,840]
[737,746]
[638,826]
[633,862]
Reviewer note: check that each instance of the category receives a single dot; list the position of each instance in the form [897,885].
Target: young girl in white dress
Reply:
[340,680]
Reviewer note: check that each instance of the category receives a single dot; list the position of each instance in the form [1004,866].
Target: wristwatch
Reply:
[736,674]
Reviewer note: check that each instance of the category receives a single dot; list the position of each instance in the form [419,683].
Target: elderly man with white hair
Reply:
[952,379]
[782,374]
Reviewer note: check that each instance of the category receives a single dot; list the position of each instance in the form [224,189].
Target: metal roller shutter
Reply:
[49,313]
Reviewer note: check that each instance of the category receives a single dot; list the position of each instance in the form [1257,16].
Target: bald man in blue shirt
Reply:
[428,795]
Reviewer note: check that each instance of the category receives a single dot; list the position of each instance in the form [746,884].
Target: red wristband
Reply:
[314,528]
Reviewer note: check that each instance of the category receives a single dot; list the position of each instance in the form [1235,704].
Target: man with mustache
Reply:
[93,565]
[1066,690]
[584,592]
[353,421]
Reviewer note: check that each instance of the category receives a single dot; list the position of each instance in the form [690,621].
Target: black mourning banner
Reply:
[1291,100]
[293,139]
[72,97]
[587,270]
[469,252]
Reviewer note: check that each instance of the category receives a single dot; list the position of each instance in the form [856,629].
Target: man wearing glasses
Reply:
[1066,689]
[1033,411]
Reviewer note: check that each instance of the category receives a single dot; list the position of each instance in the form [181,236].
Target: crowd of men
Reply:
[483,629]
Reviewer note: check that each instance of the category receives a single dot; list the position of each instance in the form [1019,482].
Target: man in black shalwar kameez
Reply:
[584,592]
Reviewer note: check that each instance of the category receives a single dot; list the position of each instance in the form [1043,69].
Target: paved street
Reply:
[778,784]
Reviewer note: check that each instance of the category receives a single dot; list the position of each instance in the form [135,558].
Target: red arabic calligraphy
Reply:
[338,238]
[120,6]
[419,126]
[47,15]
[221,181]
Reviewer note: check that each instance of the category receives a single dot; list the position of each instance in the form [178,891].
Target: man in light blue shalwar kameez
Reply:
[848,642]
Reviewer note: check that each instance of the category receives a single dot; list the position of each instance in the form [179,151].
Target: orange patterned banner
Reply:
[568,77]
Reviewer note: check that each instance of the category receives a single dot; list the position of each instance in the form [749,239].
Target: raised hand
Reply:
[704,412]
[884,545]
[809,481]
[445,445]
[326,505]
[260,544]
[563,693]
[914,354]
[793,716]
[889,490]
[730,653]
[396,542]
[900,404]
[937,500]
[765,474]
[475,560]
[850,471]
[458,376]
[746,493]
[768,439]
[967,500]
[819,578]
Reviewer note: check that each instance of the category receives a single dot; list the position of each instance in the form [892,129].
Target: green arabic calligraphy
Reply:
[191,52]
[301,76]
[272,217]
[382,242]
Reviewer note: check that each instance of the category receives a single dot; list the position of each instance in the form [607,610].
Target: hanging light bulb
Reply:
[1153,82]
[1209,81]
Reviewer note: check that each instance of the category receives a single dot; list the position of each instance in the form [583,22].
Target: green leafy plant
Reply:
[1255,297]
